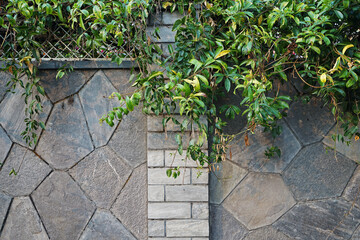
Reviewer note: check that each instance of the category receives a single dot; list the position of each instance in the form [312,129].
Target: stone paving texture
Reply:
[23,222]
[4,79]
[66,139]
[4,205]
[266,233]
[95,101]
[259,200]
[315,174]
[5,144]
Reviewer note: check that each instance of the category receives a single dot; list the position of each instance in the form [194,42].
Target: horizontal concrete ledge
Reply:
[82,64]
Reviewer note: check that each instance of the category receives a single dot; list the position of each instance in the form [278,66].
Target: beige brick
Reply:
[202,179]
[156,228]
[187,228]
[155,158]
[154,123]
[169,210]
[158,176]
[156,193]
[200,210]
[186,193]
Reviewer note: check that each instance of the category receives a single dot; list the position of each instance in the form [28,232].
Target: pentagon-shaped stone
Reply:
[324,219]
[12,115]
[66,139]
[129,139]
[310,121]
[259,200]
[224,180]
[4,79]
[253,156]
[5,144]
[224,226]
[351,151]
[23,222]
[315,174]
[131,205]
[30,171]
[120,79]
[104,226]
[352,189]
[62,206]
[58,89]
[95,101]
[4,205]
[266,233]
[101,175]
[356,235]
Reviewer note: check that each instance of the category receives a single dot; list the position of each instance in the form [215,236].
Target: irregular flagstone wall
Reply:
[309,193]
[82,180]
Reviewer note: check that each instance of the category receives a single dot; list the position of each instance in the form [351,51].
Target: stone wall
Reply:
[82,180]
[307,193]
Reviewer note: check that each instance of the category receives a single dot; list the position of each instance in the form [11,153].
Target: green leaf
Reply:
[227,84]
[129,104]
[169,172]
[222,53]
[316,49]
[350,82]
[197,64]
[203,79]
[199,102]
[81,23]
[339,14]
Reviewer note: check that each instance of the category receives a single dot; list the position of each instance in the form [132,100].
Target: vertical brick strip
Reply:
[177,208]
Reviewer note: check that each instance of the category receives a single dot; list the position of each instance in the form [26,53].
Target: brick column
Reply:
[177,208]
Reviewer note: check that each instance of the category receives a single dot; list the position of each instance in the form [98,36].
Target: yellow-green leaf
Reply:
[347,47]
[323,78]
[222,53]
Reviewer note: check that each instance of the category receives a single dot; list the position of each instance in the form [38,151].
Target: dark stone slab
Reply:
[30,169]
[120,79]
[131,205]
[259,200]
[310,121]
[166,34]
[66,139]
[315,174]
[283,88]
[129,140]
[253,156]
[62,206]
[58,89]
[224,180]
[23,222]
[320,220]
[12,115]
[224,226]
[104,226]
[266,233]
[4,79]
[86,64]
[4,205]
[101,175]
[352,190]
[356,235]
[95,101]
[5,144]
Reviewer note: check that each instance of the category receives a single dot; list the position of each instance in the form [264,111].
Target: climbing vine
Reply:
[221,47]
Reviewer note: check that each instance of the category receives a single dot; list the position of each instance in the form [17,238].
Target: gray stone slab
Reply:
[222,182]
[253,156]
[356,235]
[23,222]
[352,190]
[165,210]
[30,169]
[101,175]
[310,121]
[169,18]
[315,174]
[12,115]
[183,193]
[320,220]
[259,200]
[5,144]
[266,233]
[95,102]
[66,139]
[131,205]
[129,140]
[224,226]
[166,34]
[104,226]
[187,228]
[62,206]
[160,140]
[58,89]
[4,79]
[351,151]
[4,205]
[120,79]
[156,228]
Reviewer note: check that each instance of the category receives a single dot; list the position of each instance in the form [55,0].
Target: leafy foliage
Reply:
[222,47]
